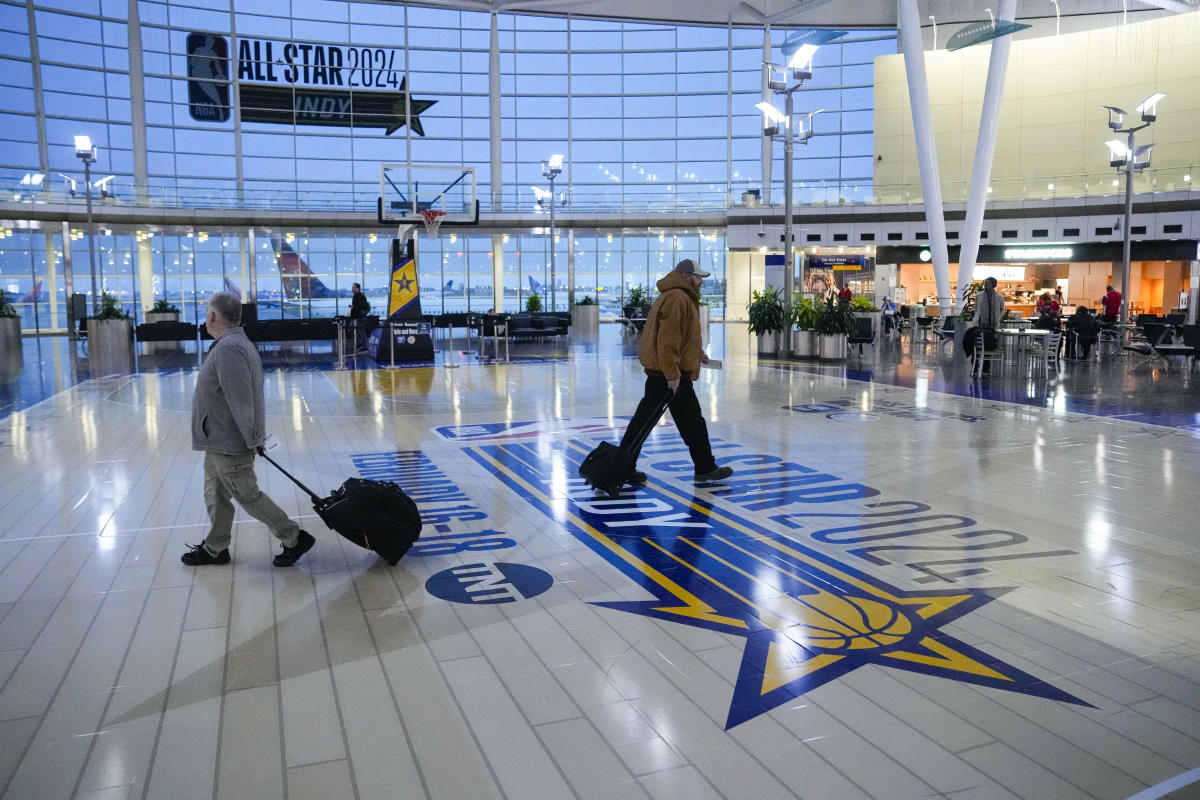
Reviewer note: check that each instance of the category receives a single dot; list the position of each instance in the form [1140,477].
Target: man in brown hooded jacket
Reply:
[671,353]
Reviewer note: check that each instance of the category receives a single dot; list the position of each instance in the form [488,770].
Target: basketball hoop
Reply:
[433,220]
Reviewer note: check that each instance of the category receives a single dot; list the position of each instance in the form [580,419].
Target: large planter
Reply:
[585,322]
[160,316]
[804,344]
[768,343]
[10,336]
[12,355]
[110,346]
[832,347]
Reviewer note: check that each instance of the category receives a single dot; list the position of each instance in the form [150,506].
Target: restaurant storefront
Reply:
[1160,280]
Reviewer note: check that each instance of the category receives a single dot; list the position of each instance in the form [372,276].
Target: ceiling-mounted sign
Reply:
[298,83]
[980,32]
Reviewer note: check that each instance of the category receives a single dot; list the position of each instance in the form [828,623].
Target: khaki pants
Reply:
[229,478]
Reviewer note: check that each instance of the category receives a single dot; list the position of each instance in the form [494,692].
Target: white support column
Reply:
[985,147]
[252,268]
[498,272]
[39,108]
[918,94]
[768,144]
[494,126]
[145,274]
[137,105]
[52,279]
[570,268]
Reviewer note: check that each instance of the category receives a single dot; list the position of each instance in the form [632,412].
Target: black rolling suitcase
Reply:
[606,468]
[376,515]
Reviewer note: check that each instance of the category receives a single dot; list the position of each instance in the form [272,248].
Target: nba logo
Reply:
[208,77]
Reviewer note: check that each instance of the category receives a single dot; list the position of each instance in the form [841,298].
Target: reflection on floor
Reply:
[914,585]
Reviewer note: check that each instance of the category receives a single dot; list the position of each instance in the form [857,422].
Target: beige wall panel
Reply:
[1051,121]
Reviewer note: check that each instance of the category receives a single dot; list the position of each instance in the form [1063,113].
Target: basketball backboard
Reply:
[405,190]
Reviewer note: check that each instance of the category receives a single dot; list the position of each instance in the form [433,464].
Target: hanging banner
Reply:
[404,299]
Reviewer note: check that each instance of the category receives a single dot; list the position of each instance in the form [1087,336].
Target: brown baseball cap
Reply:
[688,267]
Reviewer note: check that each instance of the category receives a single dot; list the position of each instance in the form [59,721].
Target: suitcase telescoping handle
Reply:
[307,490]
[648,427]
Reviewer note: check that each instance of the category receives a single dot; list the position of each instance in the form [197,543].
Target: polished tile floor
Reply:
[915,585]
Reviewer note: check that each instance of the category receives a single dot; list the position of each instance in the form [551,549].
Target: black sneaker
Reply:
[198,555]
[636,479]
[291,555]
[718,474]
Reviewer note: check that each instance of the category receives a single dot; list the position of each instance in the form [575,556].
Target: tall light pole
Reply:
[87,154]
[1128,158]
[550,170]
[786,80]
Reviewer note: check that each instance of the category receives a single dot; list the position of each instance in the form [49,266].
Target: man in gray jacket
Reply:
[229,425]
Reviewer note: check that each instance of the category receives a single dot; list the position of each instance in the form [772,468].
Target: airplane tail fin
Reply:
[34,293]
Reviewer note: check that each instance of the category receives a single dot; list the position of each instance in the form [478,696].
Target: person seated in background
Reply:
[1084,331]
[1048,312]
[489,322]
[889,315]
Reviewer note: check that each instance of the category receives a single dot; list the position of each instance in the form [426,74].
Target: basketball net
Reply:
[433,220]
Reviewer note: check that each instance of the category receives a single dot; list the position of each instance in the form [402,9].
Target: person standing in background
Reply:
[1111,302]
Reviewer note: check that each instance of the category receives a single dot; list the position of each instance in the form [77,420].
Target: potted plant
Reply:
[803,315]
[162,311]
[585,318]
[533,303]
[110,336]
[767,319]
[10,329]
[835,323]
[636,303]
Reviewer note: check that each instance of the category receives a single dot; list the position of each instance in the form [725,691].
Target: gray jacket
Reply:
[228,413]
[988,314]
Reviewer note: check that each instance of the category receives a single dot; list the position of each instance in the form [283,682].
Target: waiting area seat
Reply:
[537,325]
[945,331]
[1155,333]
[864,333]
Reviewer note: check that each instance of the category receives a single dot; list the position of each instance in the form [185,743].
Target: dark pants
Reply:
[685,410]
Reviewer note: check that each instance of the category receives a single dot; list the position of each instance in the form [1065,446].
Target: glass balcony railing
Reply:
[625,198]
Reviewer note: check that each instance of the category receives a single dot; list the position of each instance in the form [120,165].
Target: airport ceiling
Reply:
[812,13]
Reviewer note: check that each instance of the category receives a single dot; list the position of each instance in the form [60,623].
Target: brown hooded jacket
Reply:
[671,339]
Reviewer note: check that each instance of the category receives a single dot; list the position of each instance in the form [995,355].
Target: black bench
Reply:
[165,332]
[536,326]
[287,330]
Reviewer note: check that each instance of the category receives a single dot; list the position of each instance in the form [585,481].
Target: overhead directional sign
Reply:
[295,105]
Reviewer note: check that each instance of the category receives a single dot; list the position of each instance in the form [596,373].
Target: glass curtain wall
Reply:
[648,117]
